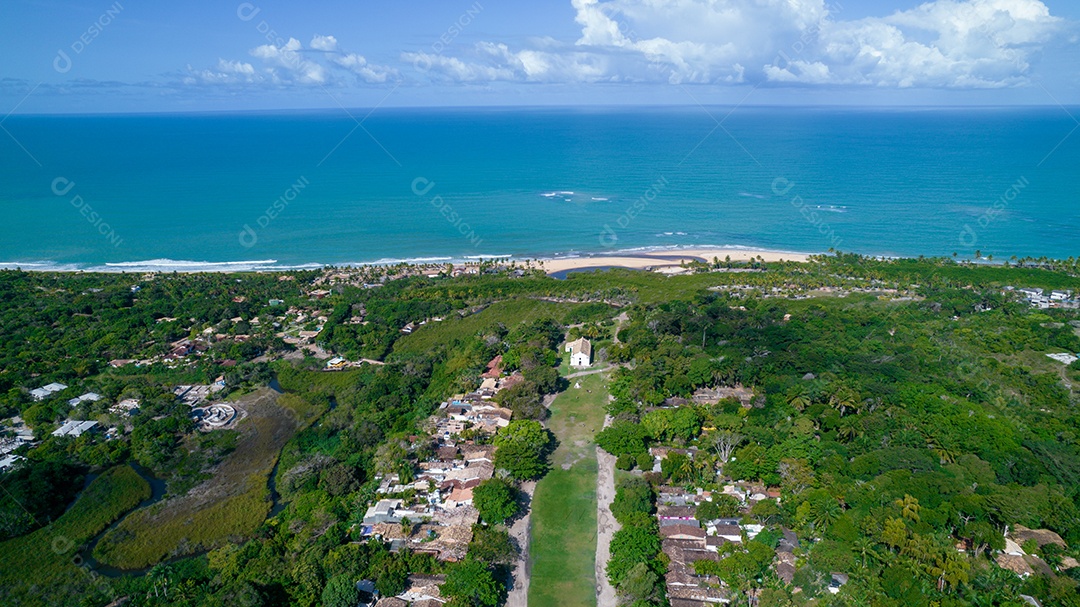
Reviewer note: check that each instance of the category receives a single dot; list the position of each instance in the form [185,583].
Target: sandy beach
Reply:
[663,259]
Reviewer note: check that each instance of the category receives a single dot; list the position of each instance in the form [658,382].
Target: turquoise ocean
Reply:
[289,189]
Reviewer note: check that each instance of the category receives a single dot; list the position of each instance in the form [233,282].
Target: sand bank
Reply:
[660,259]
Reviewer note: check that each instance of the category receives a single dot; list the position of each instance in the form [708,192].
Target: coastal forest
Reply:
[910,438]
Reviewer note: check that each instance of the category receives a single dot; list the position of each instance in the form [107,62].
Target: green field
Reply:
[40,568]
[228,506]
[509,313]
[563,543]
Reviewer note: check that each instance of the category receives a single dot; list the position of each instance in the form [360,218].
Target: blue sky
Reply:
[197,55]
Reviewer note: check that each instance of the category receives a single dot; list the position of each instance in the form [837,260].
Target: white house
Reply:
[89,396]
[46,391]
[74,428]
[580,352]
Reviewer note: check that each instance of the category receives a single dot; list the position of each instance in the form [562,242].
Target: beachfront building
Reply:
[580,352]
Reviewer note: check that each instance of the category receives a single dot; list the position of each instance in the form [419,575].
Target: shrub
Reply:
[496,500]
[633,495]
[625,462]
[645,461]
[622,438]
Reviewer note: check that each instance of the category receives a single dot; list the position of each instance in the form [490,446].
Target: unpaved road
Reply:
[519,592]
[606,525]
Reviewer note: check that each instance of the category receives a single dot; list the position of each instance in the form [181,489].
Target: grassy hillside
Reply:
[508,313]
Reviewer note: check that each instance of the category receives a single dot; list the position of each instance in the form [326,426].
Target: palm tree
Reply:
[160,575]
[824,513]
[799,397]
[866,550]
[843,398]
[946,455]
[849,430]
[909,508]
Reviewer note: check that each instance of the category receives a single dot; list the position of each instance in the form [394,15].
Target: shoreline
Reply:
[636,259]
[657,259]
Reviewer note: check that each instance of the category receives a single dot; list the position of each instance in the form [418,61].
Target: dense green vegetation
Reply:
[894,430]
[903,406]
[45,566]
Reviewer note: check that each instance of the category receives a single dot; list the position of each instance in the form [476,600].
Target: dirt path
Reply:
[589,372]
[606,525]
[519,592]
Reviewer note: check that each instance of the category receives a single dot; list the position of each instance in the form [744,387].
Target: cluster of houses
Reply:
[433,512]
[370,277]
[298,326]
[476,410]
[1043,300]
[295,326]
[179,351]
[798,292]
[14,433]
[686,540]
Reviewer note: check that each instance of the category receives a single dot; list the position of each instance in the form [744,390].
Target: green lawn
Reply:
[563,543]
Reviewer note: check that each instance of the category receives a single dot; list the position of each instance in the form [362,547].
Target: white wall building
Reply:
[580,352]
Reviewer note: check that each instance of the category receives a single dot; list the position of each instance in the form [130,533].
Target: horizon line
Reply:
[535,107]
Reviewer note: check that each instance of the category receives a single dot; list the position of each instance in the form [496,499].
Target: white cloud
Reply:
[320,63]
[947,43]
[943,43]
[289,59]
[324,43]
[226,72]
[369,72]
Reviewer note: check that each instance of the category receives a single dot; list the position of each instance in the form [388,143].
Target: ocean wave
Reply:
[170,263]
[39,266]
[271,265]
[392,261]
[160,265]
[702,247]
[749,195]
[183,265]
